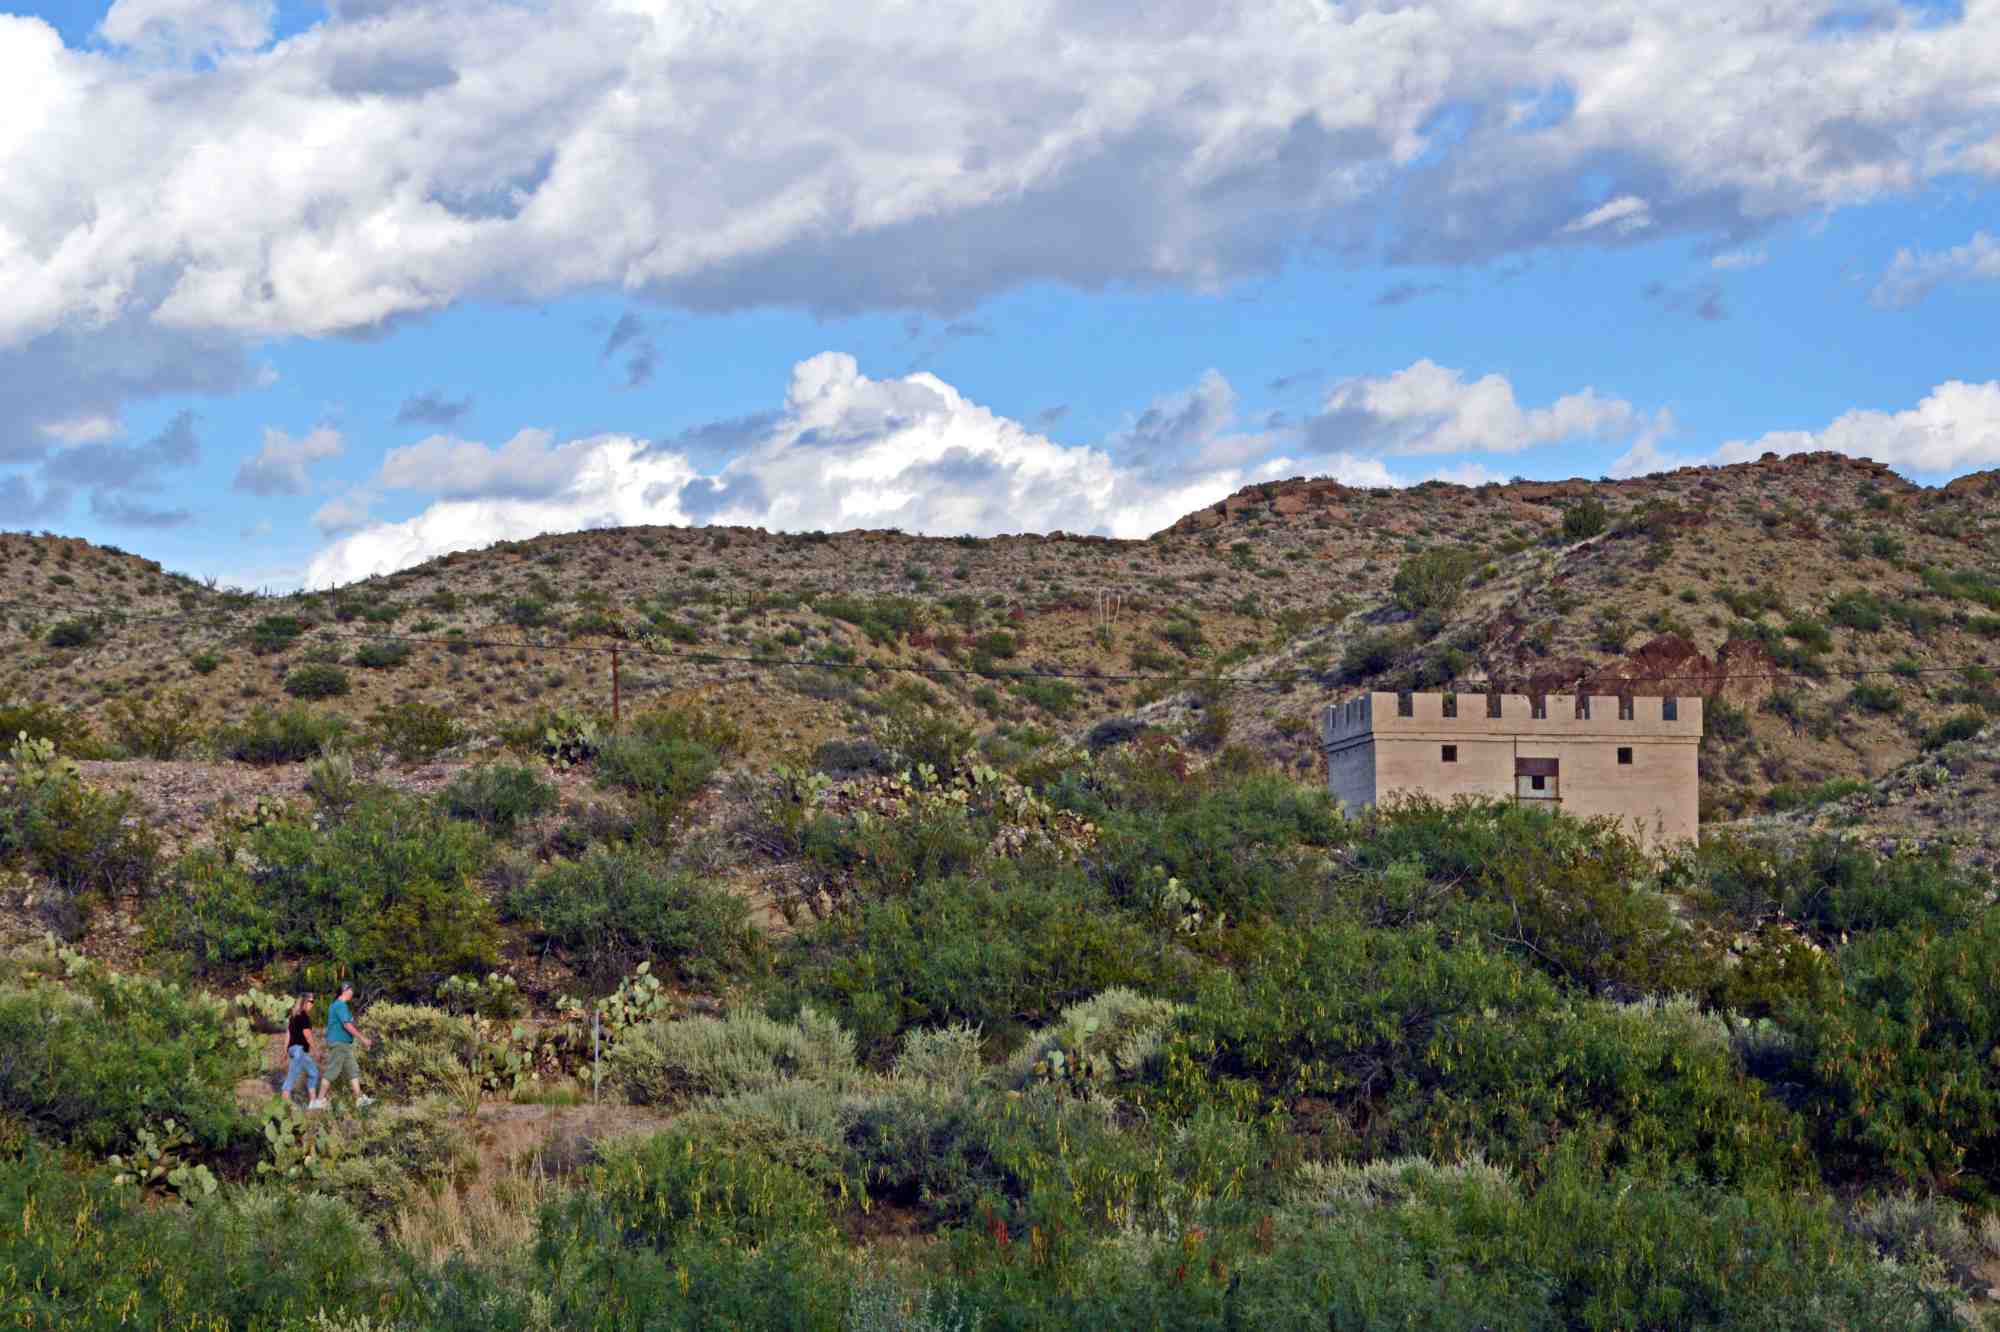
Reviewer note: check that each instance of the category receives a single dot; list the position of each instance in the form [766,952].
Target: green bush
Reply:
[1962,727]
[71,634]
[1877,698]
[1003,954]
[67,730]
[381,656]
[1371,654]
[160,729]
[387,892]
[92,1063]
[276,633]
[317,680]
[675,1062]
[499,796]
[292,735]
[1584,519]
[87,845]
[1433,580]
[667,770]
[615,908]
[415,732]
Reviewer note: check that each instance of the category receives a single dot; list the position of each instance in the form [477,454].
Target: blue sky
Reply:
[302,292]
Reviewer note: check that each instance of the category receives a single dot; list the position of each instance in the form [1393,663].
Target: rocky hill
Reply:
[1769,587]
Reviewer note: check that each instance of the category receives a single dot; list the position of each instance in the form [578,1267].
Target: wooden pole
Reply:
[614,688]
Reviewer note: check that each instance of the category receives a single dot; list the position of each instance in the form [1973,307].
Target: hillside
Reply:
[1763,584]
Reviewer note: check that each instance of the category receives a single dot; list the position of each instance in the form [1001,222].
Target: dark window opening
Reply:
[1583,707]
[1406,705]
[1450,754]
[1539,783]
[1670,709]
[1624,707]
[1625,755]
[1538,707]
[1451,705]
[1493,705]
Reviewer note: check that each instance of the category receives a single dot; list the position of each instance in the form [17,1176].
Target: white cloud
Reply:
[1914,274]
[525,467]
[1624,215]
[844,451]
[179,29]
[344,513]
[282,466]
[1730,260]
[852,155]
[1956,426]
[1429,408]
[82,429]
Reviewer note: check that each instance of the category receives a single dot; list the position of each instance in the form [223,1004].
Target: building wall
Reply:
[1656,795]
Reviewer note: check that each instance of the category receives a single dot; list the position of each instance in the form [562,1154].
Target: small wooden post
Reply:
[614,688]
[594,1075]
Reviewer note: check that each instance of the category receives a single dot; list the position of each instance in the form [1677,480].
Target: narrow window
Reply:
[1583,707]
[1450,754]
[1625,755]
[1493,705]
[1451,705]
[1624,707]
[1538,707]
[1670,709]
[1539,783]
[1406,704]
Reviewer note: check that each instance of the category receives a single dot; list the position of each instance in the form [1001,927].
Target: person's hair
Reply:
[302,1004]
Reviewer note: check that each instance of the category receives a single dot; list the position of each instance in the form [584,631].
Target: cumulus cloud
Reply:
[1956,426]
[343,513]
[282,466]
[735,156]
[1429,408]
[844,451]
[1914,274]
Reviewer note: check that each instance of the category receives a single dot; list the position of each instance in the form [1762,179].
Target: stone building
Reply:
[1584,754]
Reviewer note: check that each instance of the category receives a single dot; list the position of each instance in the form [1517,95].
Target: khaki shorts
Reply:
[339,1062]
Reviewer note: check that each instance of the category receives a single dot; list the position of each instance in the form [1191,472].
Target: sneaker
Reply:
[361,1101]
[316,1105]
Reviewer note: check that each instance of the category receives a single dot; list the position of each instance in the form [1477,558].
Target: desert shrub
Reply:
[882,857]
[1584,519]
[1877,698]
[675,1062]
[1899,1061]
[526,612]
[883,619]
[1724,720]
[846,758]
[943,1059]
[67,730]
[387,892]
[276,633]
[1828,887]
[1417,1043]
[418,1049]
[710,727]
[290,735]
[71,634]
[415,732]
[1964,726]
[162,729]
[1058,698]
[616,907]
[1241,848]
[317,680]
[666,770]
[1109,1038]
[1433,580]
[382,655]
[498,796]
[1857,610]
[1004,955]
[87,845]
[263,1257]
[1571,897]
[92,1063]
[1371,654]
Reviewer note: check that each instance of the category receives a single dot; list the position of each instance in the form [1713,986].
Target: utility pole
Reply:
[614,688]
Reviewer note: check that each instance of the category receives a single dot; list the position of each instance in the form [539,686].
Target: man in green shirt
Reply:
[341,1034]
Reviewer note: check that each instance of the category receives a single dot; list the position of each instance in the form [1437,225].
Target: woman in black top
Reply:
[298,1045]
